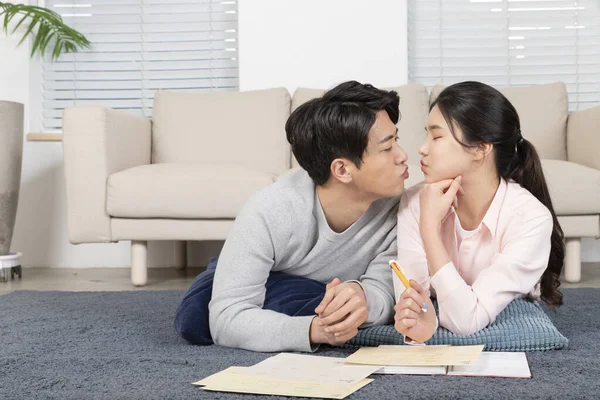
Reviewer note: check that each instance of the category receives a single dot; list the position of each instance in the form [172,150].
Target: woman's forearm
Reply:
[436,253]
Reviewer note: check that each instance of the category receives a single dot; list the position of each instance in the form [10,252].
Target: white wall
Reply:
[315,44]
[14,71]
[319,43]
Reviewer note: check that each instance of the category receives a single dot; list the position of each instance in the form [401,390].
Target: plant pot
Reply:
[11,155]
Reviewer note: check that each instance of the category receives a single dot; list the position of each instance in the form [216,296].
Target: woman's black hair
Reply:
[485,115]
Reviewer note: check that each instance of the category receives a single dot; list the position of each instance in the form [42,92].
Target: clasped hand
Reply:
[339,315]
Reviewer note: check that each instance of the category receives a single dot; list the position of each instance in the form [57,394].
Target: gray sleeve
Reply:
[378,286]
[235,311]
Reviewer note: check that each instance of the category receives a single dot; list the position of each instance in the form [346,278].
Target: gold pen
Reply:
[394,265]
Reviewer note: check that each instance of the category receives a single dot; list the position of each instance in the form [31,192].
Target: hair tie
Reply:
[519,137]
[519,141]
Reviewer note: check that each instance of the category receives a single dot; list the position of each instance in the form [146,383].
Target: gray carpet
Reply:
[122,345]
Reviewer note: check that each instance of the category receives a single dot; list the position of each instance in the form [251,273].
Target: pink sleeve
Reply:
[411,254]
[513,273]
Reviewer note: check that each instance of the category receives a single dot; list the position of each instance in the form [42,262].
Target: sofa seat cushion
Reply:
[574,188]
[187,191]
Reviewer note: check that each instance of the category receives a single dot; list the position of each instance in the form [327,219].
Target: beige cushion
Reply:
[583,140]
[241,128]
[574,189]
[414,108]
[543,110]
[182,191]
[302,95]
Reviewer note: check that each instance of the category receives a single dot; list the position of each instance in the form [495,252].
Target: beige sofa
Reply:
[185,175]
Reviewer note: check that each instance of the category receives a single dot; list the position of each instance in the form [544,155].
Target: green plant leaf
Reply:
[32,25]
[45,26]
[45,42]
[20,22]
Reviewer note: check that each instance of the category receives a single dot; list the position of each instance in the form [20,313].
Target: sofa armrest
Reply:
[583,137]
[97,142]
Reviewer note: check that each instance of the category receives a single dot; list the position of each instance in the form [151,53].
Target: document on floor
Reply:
[235,380]
[491,364]
[423,356]
[495,364]
[412,370]
[304,367]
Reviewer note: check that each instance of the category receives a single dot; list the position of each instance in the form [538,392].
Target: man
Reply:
[333,221]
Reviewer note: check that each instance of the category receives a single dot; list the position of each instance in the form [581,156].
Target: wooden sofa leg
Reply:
[573,260]
[139,262]
[181,254]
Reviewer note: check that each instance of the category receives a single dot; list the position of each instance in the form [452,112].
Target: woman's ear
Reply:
[482,151]
[340,170]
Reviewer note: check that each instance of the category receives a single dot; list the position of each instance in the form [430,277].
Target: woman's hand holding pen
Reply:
[411,318]
[342,310]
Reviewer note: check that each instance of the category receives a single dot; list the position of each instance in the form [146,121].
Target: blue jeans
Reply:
[287,294]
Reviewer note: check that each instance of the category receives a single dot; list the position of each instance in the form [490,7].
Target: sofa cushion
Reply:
[414,108]
[190,191]
[543,110]
[241,128]
[583,141]
[574,189]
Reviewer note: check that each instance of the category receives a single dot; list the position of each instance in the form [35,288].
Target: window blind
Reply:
[507,43]
[139,47]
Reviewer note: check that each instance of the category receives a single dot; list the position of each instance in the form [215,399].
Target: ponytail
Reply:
[527,171]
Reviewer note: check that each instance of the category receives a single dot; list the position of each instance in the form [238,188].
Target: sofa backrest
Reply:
[543,110]
[414,108]
[241,128]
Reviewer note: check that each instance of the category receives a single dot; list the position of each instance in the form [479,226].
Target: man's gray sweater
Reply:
[283,228]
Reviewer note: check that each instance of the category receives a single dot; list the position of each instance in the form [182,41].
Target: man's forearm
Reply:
[260,330]
[380,305]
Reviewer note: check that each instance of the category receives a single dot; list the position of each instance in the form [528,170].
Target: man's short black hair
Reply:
[337,125]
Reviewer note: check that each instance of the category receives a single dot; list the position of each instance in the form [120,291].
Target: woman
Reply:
[481,230]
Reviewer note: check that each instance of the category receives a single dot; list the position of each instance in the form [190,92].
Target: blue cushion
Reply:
[522,326]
